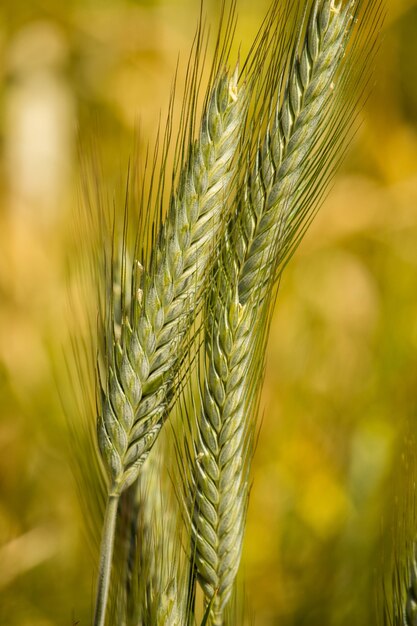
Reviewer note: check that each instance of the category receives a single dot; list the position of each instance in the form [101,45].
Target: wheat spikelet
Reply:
[167,612]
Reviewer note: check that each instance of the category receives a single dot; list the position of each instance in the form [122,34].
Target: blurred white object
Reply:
[39,123]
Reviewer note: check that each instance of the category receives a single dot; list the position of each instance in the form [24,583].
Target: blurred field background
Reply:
[341,381]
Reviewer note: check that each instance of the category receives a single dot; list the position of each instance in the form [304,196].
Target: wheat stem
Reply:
[106,557]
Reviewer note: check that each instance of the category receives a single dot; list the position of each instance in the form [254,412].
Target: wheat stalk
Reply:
[237,314]
[142,366]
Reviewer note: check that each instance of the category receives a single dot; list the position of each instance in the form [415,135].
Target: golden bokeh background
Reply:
[341,379]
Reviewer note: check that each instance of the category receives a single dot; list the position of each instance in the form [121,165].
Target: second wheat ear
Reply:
[270,218]
[142,367]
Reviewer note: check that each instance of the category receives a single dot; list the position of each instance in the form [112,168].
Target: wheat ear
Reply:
[273,206]
[157,572]
[239,306]
[142,366]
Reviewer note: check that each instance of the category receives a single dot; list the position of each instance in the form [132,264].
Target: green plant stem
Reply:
[106,557]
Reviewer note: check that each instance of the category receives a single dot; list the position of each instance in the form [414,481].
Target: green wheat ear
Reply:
[156,593]
[139,367]
[142,366]
[143,352]
[274,207]
[411,596]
